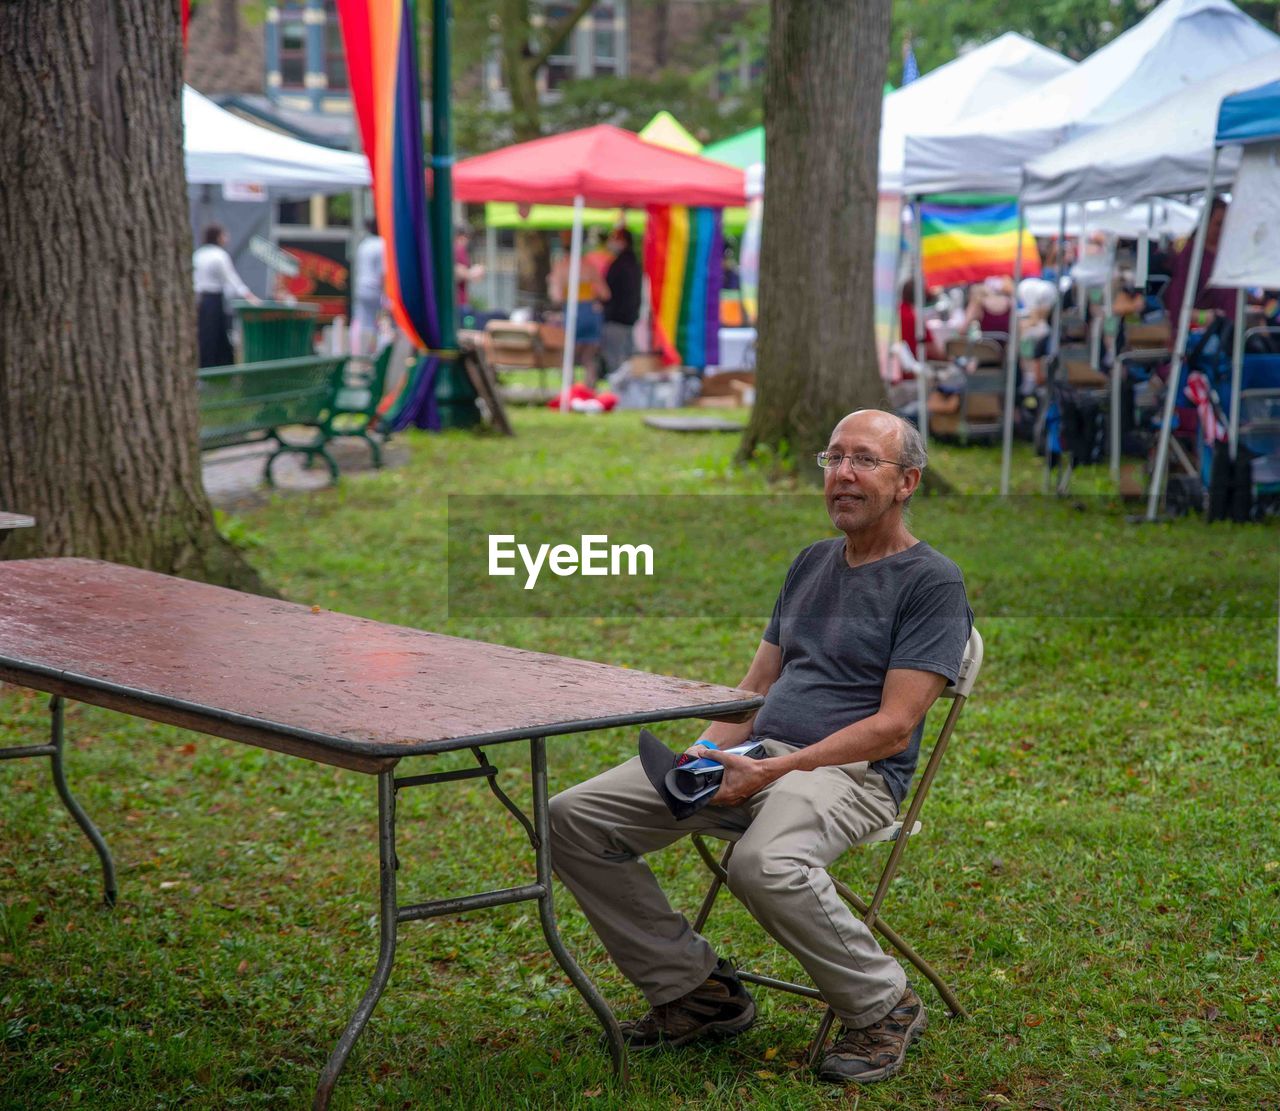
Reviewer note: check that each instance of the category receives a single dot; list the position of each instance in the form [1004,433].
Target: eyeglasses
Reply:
[861,461]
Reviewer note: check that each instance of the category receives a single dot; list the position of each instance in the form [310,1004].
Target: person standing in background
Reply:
[622,309]
[368,290]
[214,275]
[591,290]
[1205,297]
[463,272]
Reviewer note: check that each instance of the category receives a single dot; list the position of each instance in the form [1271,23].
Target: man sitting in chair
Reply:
[865,634]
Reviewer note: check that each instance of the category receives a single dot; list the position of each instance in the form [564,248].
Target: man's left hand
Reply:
[743,776]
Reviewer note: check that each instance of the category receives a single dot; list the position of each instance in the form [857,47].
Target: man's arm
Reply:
[906,699]
[761,675]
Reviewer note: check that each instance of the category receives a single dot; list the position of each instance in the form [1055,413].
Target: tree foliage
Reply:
[1076,28]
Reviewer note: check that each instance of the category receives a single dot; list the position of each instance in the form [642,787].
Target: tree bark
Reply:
[228,25]
[816,354]
[98,417]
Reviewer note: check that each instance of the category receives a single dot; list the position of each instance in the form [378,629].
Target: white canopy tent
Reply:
[1114,217]
[1180,43]
[223,149]
[1156,151]
[995,73]
[1177,44]
[1247,253]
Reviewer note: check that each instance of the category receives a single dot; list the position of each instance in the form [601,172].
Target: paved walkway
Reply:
[233,475]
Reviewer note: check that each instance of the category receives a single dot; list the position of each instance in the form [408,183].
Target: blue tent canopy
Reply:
[1252,116]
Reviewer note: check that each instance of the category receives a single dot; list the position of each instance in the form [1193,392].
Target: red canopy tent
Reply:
[605,166]
[602,166]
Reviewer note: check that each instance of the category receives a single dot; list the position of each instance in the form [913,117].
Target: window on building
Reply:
[335,57]
[294,212]
[293,48]
[740,66]
[605,26]
[560,67]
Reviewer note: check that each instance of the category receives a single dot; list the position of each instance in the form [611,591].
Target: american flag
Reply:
[910,70]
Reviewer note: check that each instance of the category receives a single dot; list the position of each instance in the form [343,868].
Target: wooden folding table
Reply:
[327,687]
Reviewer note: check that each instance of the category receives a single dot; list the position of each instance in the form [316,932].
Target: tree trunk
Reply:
[98,420]
[520,66]
[816,353]
[228,25]
[661,32]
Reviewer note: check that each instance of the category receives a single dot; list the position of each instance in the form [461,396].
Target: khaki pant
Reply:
[789,833]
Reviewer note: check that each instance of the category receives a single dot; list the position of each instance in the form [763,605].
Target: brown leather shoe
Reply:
[718,1007]
[876,1052]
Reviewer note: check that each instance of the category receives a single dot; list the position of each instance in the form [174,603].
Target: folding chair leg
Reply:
[818,1046]
[718,869]
[903,947]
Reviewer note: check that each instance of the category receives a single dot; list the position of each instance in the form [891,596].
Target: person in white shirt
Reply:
[368,290]
[215,276]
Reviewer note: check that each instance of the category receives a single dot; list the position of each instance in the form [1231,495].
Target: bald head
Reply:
[898,435]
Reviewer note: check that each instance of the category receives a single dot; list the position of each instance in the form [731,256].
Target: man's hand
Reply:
[743,776]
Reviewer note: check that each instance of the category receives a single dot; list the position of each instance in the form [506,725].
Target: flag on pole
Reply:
[910,70]
[380,41]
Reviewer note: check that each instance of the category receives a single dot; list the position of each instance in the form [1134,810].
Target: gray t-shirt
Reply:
[842,628]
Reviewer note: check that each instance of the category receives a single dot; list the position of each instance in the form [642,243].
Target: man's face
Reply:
[858,500]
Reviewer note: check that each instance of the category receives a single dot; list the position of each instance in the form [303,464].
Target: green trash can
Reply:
[276,329]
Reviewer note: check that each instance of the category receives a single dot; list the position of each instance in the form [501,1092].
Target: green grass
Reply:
[1099,875]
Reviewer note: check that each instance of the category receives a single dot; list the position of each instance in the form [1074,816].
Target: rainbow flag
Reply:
[684,262]
[962,241]
[382,64]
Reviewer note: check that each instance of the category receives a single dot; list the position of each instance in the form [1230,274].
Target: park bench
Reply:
[253,402]
[355,408]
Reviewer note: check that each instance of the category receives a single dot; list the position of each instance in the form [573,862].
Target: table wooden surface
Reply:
[322,685]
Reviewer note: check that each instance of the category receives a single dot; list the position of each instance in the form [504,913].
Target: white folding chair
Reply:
[897,834]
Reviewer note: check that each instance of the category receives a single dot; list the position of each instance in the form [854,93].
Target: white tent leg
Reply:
[1237,377]
[491,267]
[571,305]
[922,355]
[1109,346]
[1011,364]
[1180,344]
[1056,345]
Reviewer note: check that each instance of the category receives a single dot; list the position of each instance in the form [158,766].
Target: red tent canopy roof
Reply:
[606,166]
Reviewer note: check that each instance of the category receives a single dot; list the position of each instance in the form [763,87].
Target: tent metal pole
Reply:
[1180,344]
[571,304]
[1109,346]
[491,266]
[1062,257]
[1011,362]
[922,355]
[1055,346]
[1144,249]
[1237,377]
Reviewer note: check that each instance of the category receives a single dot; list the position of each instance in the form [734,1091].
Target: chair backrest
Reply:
[969,668]
[1140,337]
[514,344]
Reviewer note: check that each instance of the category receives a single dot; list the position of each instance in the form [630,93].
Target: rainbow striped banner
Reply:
[382,64]
[684,262]
[962,241]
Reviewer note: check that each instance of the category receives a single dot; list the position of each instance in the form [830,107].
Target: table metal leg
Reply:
[53,750]
[387,910]
[547,913]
